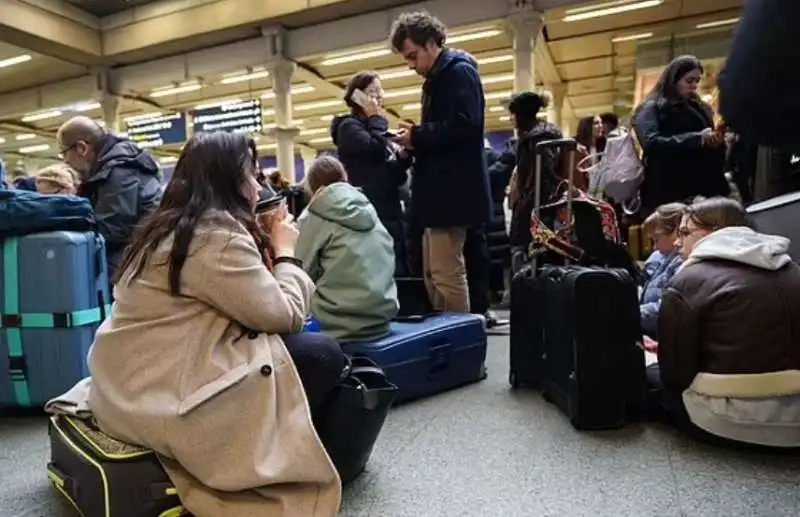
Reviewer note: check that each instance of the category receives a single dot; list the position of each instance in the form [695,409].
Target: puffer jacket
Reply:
[658,271]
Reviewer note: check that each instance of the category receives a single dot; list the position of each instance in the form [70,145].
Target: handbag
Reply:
[352,417]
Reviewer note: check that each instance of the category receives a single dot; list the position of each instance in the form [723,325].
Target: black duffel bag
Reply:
[352,418]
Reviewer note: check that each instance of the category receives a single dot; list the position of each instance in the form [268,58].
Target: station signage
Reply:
[157,131]
[234,117]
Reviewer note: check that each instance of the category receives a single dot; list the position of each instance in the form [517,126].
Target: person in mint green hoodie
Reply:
[349,254]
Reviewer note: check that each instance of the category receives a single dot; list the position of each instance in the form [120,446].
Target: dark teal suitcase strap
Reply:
[12,321]
[16,355]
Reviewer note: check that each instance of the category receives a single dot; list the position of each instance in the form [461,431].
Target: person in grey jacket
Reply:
[120,179]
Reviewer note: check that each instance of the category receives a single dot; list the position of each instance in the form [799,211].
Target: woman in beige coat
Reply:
[201,359]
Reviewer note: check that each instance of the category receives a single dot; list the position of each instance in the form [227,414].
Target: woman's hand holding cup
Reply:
[282,230]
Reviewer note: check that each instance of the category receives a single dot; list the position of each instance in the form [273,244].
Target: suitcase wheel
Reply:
[513,380]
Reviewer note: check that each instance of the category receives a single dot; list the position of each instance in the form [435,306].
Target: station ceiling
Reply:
[594,55]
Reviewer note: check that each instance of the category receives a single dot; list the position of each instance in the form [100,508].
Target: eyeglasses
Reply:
[65,150]
[684,232]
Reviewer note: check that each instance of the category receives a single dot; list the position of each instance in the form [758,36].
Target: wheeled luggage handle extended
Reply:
[569,145]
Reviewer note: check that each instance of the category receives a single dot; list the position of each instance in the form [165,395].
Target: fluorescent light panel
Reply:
[5,63]
[33,117]
[244,77]
[632,37]
[718,23]
[321,140]
[2,140]
[376,52]
[216,104]
[609,8]
[296,90]
[34,148]
[315,131]
[25,136]
[134,118]
[184,88]
[316,105]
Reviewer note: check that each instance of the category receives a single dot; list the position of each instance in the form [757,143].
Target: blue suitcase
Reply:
[55,292]
[430,356]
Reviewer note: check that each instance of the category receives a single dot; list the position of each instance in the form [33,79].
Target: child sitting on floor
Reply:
[349,254]
[662,227]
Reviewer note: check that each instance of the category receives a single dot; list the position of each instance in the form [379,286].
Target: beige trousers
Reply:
[445,272]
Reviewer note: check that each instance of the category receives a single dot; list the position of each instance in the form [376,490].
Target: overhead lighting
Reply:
[2,140]
[315,131]
[494,79]
[497,108]
[396,74]
[505,118]
[413,107]
[326,118]
[632,37]
[317,105]
[417,90]
[24,58]
[356,56]
[244,77]
[624,78]
[216,104]
[168,159]
[42,116]
[608,8]
[25,136]
[175,90]
[497,95]
[34,148]
[471,36]
[718,23]
[296,90]
[145,116]
[86,106]
[495,59]
[321,140]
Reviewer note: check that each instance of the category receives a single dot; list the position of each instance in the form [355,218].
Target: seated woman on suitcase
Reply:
[350,256]
[662,226]
[729,357]
[202,359]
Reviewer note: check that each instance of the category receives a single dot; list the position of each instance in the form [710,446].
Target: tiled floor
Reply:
[487,451]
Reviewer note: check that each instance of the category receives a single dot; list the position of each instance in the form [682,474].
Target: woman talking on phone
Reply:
[684,154]
[372,161]
[202,359]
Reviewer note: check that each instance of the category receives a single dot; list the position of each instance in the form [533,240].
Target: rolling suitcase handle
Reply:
[565,144]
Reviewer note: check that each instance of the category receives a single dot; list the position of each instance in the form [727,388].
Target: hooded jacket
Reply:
[658,270]
[729,337]
[350,256]
[124,186]
[449,186]
[371,166]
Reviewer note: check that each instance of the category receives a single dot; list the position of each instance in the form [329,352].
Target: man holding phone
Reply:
[449,186]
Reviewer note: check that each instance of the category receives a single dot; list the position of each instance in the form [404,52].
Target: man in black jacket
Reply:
[117,176]
[450,191]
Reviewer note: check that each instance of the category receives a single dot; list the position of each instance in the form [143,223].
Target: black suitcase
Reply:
[103,477]
[526,347]
[593,364]
[527,329]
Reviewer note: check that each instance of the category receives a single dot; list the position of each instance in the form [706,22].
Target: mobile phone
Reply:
[267,204]
[359,97]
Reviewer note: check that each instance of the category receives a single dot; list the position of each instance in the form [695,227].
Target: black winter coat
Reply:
[677,166]
[449,185]
[363,149]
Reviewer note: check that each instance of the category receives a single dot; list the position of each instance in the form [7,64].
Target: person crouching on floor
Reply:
[350,256]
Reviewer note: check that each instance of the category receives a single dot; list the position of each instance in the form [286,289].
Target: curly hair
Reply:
[420,27]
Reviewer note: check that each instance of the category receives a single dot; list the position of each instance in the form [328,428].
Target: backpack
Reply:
[23,213]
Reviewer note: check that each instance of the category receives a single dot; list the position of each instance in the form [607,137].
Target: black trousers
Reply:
[320,362]
[479,268]
[397,229]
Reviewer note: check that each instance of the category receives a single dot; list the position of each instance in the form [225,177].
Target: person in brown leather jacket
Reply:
[729,331]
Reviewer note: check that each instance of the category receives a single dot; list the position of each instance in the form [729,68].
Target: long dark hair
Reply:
[210,174]
[584,135]
[666,89]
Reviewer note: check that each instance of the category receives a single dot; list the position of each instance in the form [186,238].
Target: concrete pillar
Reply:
[524,25]
[111,106]
[284,132]
[556,111]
